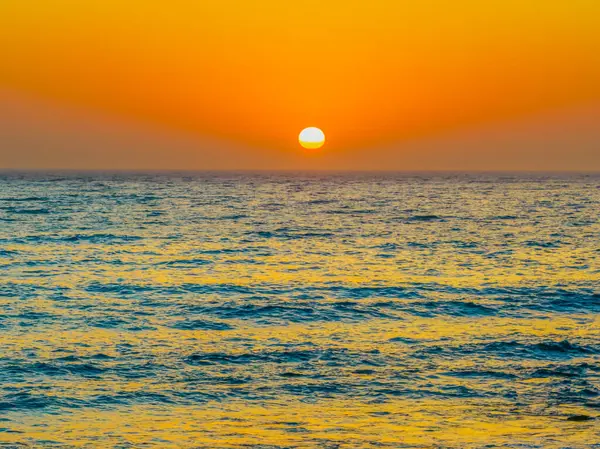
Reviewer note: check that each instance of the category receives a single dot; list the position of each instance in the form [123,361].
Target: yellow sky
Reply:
[255,72]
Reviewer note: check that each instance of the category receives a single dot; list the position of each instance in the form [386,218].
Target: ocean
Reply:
[299,310]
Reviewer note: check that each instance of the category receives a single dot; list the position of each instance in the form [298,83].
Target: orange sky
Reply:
[253,73]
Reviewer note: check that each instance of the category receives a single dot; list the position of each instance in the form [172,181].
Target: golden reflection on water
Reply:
[295,327]
[285,420]
[397,423]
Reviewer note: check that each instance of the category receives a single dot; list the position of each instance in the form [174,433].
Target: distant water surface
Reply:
[225,310]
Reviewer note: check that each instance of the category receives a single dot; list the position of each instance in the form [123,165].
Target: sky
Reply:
[229,84]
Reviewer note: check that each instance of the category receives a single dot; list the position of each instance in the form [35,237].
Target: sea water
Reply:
[290,310]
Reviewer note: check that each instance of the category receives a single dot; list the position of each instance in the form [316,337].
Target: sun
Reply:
[312,138]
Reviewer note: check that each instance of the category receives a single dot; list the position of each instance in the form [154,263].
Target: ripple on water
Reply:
[290,310]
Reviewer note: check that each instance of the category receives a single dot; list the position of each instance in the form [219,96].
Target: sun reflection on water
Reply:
[299,311]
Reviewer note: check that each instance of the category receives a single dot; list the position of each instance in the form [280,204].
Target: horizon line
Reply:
[290,170]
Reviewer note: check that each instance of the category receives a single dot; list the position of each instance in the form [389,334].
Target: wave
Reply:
[17,211]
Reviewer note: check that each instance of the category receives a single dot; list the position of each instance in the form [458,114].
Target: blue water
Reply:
[292,310]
